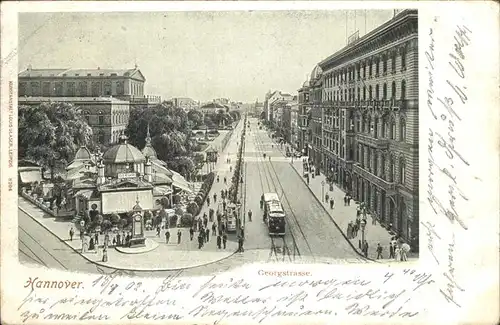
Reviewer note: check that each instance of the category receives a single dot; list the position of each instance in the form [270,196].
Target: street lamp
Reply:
[323,189]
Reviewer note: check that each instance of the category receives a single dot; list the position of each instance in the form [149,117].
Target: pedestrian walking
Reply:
[118,239]
[345,200]
[114,241]
[349,230]
[214,229]
[374,219]
[219,240]
[207,235]
[205,222]
[405,248]
[250,215]
[71,233]
[208,201]
[215,197]
[191,233]
[224,240]
[96,239]
[217,178]
[365,248]
[240,244]
[326,197]
[179,235]
[211,215]
[104,254]
[379,251]
[332,202]
[158,231]
[200,240]
[230,169]
[225,180]
[391,251]
[167,236]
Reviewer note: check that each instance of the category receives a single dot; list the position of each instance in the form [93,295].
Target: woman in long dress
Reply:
[397,253]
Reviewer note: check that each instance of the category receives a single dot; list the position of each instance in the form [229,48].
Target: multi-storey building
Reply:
[121,83]
[186,104]
[104,95]
[289,121]
[107,116]
[370,121]
[303,117]
[315,122]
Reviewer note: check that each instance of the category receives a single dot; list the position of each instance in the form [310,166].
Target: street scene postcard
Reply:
[249,162]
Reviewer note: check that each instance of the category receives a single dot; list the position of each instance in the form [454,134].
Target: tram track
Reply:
[270,180]
[295,225]
[24,247]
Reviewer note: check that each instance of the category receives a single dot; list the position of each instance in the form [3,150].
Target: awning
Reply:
[84,193]
[161,190]
[181,183]
[30,176]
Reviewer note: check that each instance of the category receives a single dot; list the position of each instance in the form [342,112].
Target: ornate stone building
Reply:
[370,121]
[303,117]
[119,83]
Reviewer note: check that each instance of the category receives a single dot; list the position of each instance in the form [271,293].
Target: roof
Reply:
[271,197]
[123,152]
[380,30]
[149,151]
[83,154]
[81,73]
[316,73]
[38,99]
[212,105]
[30,176]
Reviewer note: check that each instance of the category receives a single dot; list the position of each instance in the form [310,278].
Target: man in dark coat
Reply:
[207,235]
[179,235]
[218,242]
[191,233]
[167,236]
[200,240]
[224,240]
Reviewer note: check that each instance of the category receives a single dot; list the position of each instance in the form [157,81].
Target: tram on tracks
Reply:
[274,215]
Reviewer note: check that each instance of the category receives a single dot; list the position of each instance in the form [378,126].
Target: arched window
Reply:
[370,92]
[384,92]
[402,130]
[393,90]
[402,170]
[393,130]
[403,59]
[377,92]
[403,90]
[377,65]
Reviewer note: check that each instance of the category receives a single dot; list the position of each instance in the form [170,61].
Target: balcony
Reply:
[372,142]
[389,187]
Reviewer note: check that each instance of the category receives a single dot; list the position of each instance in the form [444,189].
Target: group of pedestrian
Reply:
[353,228]
[204,236]
[167,236]
[347,199]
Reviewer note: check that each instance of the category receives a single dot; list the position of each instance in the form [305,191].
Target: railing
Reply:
[372,142]
[389,187]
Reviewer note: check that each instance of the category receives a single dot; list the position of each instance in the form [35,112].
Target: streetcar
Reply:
[274,215]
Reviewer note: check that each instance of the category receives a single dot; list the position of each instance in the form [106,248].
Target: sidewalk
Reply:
[161,256]
[342,214]
[222,169]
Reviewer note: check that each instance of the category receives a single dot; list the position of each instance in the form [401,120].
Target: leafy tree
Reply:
[51,133]
[115,219]
[196,117]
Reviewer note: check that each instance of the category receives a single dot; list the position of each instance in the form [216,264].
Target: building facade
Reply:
[315,122]
[123,84]
[303,117]
[107,116]
[370,122]
[185,103]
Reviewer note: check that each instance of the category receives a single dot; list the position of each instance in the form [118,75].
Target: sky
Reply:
[202,55]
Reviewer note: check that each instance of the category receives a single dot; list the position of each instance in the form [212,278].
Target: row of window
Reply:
[352,93]
[363,125]
[349,74]
[97,88]
[118,118]
[370,162]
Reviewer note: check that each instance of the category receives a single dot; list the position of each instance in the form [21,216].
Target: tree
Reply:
[51,133]
[115,219]
[196,117]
